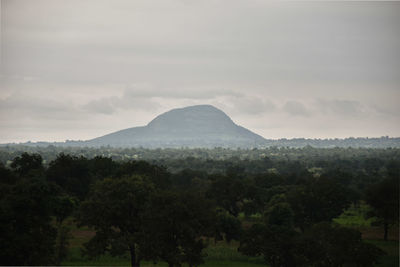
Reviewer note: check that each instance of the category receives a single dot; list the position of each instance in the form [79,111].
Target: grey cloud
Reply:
[146,90]
[176,53]
[340,107]
[296,108]
[128,101]
[387,110]
[37,107]
[252,105]
[140,40]
[107,105]
[147,97]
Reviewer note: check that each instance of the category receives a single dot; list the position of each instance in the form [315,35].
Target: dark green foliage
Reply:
[317,201]
[188,178]
[28,165]
[228,192]
[275,239]
[331,245]
[279,212]
[27,236]
[71,174]
[175,225]
[6,176]
[140,208]
[158,175]
[102,167]
[384,199]
[273,242]
[227,226]
[63,206]
[115,209]
[323,245]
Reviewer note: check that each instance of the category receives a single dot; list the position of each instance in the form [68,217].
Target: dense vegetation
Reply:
[359,142]
[279,205]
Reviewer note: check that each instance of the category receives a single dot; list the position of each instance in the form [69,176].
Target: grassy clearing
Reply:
[223,252]
[355,216]
[75,258]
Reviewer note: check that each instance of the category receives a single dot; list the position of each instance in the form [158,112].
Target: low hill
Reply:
[205,126]
[194,126]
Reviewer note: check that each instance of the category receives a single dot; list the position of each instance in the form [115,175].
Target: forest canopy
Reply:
[166,205]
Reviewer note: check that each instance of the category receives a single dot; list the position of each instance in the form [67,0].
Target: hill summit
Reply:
[193,126]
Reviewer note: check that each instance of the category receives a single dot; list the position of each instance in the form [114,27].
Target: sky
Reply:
[79,69]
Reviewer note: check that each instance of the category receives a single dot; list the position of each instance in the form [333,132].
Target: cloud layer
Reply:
[80,69]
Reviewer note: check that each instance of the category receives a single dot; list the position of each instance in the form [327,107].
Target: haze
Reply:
[82,69]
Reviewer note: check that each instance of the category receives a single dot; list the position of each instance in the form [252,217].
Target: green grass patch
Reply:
[225,252]
[75,258]
[355,216]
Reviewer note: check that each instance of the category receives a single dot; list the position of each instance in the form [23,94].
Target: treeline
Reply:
[307,155]
[279,208]
[355,142]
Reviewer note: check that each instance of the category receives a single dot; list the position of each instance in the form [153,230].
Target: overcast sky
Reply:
[82,69]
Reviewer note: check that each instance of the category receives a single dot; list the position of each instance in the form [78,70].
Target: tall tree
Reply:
[28,165]
[27,236]
[326,244]
[274,238]
[115,209]
[71,173]
[384,199]
[175,225]
[321,199]
[228,192]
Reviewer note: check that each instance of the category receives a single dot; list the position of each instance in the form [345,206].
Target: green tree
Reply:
[321,199]
[28,165]
[228,192]
[384,199]
[175,225]
[275,243]
[275,238]
[326,244]
[158,175]
[27,236]
[227,227]
[6,177]
[279,212]
[72,174]
[115,209]
[63,206]
[102,167]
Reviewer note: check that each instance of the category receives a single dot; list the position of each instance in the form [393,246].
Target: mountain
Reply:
[205,126]
[194,126]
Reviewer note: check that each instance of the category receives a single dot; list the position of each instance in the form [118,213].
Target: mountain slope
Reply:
[194,126]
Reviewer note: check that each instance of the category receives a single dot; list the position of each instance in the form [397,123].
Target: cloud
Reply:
[129,100]
[387,110]
[340,107]
[33,106]
[63,61]
[252,105]
[296,108]
[147,90]
[106,105]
